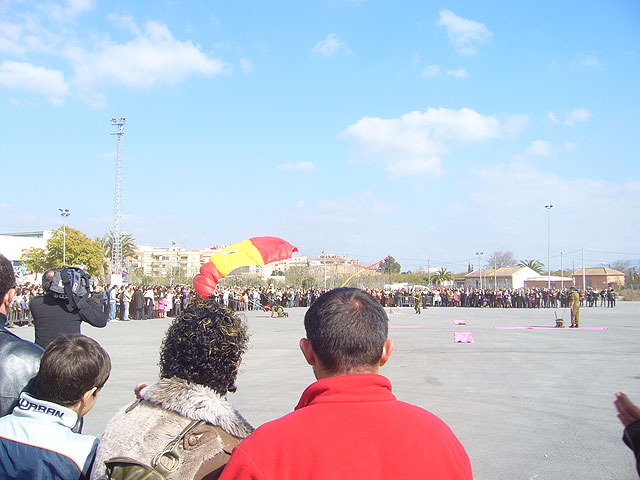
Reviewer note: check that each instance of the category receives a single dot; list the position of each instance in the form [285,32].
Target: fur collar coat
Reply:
[143,429]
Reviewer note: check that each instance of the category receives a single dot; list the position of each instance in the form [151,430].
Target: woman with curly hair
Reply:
[182,426]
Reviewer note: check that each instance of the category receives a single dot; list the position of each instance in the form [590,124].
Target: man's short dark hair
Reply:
[204,345]
[7,277]
[70,366]
[47,279]
[347,329]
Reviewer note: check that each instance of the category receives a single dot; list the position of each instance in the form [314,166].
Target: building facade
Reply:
[504,277]
[600,278]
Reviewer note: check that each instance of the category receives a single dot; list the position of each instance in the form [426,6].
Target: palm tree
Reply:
[128,247]
[535,265]
[442,275]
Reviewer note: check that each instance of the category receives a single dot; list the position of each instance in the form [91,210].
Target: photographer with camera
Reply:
[64,306]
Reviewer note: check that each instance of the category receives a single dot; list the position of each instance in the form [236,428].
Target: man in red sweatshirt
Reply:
[348,424]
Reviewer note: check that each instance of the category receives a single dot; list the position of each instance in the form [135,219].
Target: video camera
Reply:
[71,283]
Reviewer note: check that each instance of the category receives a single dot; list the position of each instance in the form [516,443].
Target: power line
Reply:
[613,253]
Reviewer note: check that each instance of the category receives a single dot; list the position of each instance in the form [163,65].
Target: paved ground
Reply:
[527,404]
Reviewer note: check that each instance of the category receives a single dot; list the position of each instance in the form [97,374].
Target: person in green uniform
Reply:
[574,301]
[417,300]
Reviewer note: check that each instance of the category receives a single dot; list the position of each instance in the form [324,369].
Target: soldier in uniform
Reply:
[417,300]
[279,311]
[574,302]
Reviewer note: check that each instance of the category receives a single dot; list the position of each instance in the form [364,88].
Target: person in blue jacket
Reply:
[36,440]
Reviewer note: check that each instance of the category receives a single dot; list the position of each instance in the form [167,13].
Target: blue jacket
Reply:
[36,442]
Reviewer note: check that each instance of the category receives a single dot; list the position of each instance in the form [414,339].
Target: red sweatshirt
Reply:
[351,427]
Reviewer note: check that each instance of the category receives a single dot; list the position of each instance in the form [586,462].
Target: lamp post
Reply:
[172,250]
[324,255]
[561,272]
[64,213]
[479,254]
[548,207]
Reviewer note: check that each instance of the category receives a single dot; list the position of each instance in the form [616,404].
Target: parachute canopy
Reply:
[254,251]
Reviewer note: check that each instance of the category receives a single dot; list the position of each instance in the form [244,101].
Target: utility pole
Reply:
[548,207]
[116,250]
[479,254]
[561,273]
[324,255]
[584,275]
[64,213]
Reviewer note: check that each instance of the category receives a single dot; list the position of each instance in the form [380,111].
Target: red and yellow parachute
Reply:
[254,251]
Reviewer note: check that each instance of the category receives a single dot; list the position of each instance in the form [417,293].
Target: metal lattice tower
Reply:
[116,251]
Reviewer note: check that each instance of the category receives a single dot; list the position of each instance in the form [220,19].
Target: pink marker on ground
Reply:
[462,337]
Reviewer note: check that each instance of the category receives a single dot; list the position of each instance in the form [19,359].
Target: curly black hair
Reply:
[204,345]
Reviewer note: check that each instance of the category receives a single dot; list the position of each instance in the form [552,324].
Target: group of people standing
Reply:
[143,302]
[347,424]
[183,426]
[490,298]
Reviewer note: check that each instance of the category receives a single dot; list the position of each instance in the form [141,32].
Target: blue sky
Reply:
[367,128]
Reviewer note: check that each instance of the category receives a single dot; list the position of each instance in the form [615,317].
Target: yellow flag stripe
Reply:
[238,255]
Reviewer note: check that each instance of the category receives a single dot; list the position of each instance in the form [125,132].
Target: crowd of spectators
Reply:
[254,298]
[158,301]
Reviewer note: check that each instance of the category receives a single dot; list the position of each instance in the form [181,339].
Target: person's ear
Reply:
[8,298]
[307,351]
[86,396]
[387,349]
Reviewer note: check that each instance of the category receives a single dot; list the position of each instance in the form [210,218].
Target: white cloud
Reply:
[246,65]
[69,11]
[416,142]
[577,115]
[552,118]
[539,148]
[528,189]
[430,71]
[569,146]
[25,76]
[125,22]
[351,207]
[297,167]
[587,61]
[460,72]
[465,34]
[330,46]
[153,57]
[19,39]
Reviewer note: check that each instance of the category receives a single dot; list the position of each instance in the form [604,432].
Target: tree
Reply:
[300,276]
[533,264]
[390,265]
[128,247]
[632,278]
[501,258]
[621,265]
[80,250]
[442,275]
[36,260]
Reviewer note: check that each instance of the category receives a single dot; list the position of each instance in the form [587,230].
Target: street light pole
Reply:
[324,254]
[479,254]
[548,207]
[64,213]
[561,273]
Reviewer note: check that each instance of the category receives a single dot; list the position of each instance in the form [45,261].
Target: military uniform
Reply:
[574,301]
[417,299]
[278,310]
